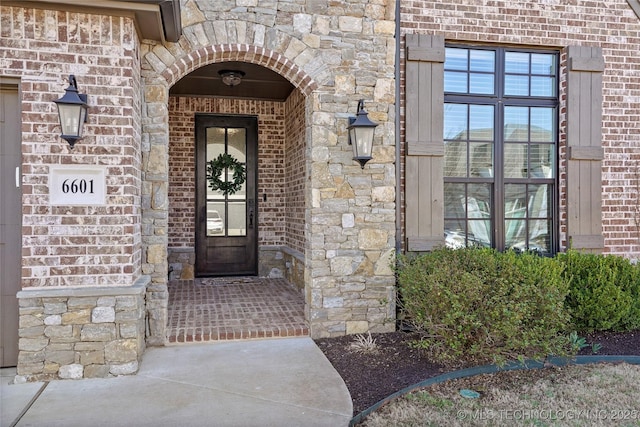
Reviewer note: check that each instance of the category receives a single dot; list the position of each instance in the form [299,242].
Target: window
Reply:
[500,136]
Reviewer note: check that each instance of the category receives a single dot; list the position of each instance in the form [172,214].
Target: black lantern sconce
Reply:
[361,131]
[72,110]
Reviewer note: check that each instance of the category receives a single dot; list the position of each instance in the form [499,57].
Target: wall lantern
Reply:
[361,131]
[72,110]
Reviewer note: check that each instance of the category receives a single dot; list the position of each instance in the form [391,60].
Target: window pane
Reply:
[479,203]
[515,160]
[516,85]
[454,200]
[515,210]
[542,86]
[540,211]
[481,83]
[539,201]
[481,122]
[455,134]
[516,124]
[543,63]
[515,233]
[455,158]
[542,129]
[516,62]
[539,236]
[481,160]
[455,81]
[456,59]
[515,201]
[482,60]
[455,121]
[541,160]
[455,234]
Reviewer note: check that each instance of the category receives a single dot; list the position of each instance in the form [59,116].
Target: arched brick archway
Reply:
[243,53]
[155,136]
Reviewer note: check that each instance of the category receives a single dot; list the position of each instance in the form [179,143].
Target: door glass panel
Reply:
[237,218]
[226,214]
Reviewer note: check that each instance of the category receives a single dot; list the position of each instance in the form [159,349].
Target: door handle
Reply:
[250,204]
[17,176]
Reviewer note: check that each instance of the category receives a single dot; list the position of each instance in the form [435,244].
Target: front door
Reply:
[226,183]
[10,222]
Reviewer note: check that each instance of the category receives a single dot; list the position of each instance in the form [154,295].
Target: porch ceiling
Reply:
[258,83]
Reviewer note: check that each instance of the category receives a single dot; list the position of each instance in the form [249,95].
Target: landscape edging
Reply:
[490,369]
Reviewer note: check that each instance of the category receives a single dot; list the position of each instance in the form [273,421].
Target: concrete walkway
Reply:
[275,382]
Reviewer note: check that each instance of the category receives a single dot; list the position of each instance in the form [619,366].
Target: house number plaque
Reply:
[77,185]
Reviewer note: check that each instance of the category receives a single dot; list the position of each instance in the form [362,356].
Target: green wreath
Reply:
[216,167]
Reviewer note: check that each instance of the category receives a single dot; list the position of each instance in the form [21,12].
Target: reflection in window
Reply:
[468,136]
[469,71]
[513,166]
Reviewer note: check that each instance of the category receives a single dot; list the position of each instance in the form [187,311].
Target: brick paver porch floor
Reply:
[209,309]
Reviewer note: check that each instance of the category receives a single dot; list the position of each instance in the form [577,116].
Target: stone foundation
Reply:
[181,263]
[282,262]
[273,261]
[74,333]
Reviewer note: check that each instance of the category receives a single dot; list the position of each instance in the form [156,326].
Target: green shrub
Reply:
[604,291]
[480,305]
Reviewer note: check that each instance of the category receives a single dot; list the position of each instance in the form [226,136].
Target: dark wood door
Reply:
[226,221]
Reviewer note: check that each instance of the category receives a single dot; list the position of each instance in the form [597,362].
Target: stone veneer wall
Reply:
[81,264]
[611,25]
[87,332]
[335,53]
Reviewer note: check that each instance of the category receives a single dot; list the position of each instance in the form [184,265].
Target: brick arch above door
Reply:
[272,60]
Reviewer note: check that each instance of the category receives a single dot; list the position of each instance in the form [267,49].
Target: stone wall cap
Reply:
[138,287]
[286,249]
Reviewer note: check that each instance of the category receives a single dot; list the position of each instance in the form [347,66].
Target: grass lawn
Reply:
[594,395]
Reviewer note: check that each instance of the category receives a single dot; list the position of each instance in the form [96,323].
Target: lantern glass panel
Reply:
[363,141]
[71,118]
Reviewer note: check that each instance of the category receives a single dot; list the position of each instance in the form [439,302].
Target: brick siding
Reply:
[611,25]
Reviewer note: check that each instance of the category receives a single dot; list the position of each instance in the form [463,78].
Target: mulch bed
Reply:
[370,377]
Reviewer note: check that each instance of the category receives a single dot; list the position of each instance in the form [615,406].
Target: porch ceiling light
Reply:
[72,111]
[361,131]
[231,77]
